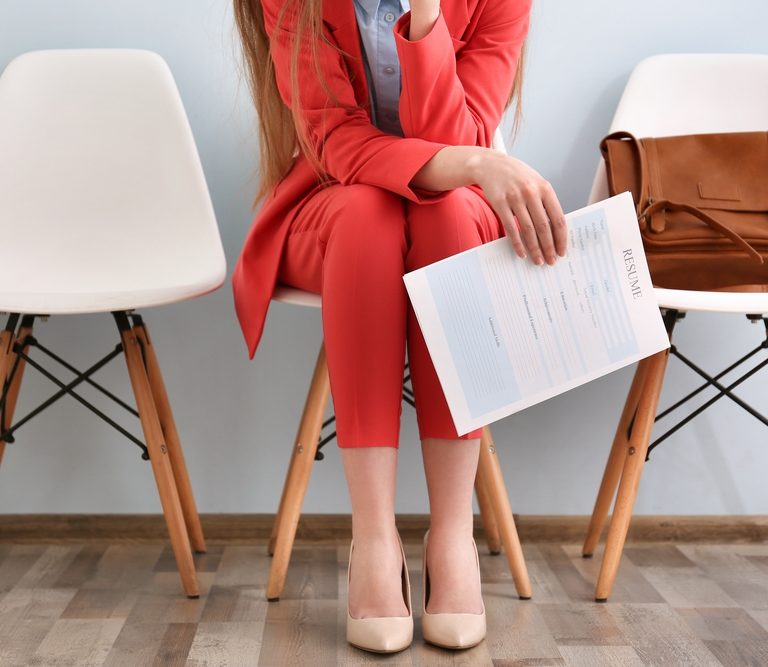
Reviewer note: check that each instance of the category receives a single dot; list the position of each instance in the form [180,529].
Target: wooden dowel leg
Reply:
[299,471]
[175,452]
[497,492]
[632,471]
[159,457]
[7,357]
[615,463]
[278,520]
[487,517]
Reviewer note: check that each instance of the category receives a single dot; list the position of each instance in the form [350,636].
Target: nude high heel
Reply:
[382,634]
[449,630]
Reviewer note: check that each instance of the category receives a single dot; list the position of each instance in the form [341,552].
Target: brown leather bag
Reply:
[702,206]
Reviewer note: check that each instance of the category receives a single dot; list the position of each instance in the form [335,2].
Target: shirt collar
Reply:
[370,6]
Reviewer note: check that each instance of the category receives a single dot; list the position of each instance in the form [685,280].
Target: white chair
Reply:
[103,208]
[495,510]
[670,95]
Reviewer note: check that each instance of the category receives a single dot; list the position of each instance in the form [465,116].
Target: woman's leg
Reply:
[348,244]
[459,222]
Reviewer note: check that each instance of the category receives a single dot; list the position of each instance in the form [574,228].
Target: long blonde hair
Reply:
[282,130]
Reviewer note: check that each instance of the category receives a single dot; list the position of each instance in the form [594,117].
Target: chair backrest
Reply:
[691,94]
[498,141]
[101,185]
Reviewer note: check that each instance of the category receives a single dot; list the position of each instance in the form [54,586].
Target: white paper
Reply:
[505,334]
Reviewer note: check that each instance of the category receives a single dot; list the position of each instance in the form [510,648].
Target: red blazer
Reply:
[455,81]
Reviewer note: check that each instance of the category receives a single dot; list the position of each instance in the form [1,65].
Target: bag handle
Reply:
[667,205]
[643,194]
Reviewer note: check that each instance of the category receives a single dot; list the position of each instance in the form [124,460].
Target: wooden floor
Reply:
[120,603]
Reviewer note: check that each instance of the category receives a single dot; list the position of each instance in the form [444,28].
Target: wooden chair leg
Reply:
[172,441]
[634,460]
[278,517]
[159,456]
[13,390]
[7,357]
[499,500]
[297,479]
[612,472]
[487,517]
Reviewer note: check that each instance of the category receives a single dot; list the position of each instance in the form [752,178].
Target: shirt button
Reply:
[389,70]
[389,16]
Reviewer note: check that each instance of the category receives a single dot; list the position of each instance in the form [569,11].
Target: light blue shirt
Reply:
[376,20]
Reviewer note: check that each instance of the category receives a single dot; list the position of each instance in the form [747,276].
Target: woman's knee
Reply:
[460,221]
[366,222]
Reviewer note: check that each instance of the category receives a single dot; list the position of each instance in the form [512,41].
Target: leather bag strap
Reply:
[666,205]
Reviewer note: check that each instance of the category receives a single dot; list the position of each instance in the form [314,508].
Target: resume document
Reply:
[505,334]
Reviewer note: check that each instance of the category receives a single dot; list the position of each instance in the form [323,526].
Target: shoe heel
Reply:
[382,634]
[449,630]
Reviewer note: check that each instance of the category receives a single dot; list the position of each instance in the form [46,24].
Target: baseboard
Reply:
[332,527]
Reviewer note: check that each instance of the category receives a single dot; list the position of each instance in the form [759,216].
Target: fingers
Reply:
[542,222]
[557,220]
[512,227]
[528,232]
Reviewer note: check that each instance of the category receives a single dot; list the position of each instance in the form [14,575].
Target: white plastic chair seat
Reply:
[103,200]
[674,94]
[298,297]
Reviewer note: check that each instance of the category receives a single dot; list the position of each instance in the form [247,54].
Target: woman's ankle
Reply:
[374,529]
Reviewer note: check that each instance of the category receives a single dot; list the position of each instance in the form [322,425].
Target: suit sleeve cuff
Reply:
[412,155]
[420,53]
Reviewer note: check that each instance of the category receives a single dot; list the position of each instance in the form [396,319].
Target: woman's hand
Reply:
[526,204]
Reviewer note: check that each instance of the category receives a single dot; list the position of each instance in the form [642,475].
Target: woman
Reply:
[374,165]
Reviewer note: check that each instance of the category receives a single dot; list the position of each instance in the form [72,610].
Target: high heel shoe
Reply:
[382,634]
[449,630]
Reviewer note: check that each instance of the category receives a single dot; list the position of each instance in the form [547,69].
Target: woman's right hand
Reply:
[526,205]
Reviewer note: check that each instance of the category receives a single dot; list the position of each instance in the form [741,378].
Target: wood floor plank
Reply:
[77,642]
[18,560]
[584,624]
[631,584]
[300,631]
[245,566]
[137,644]
[601,656]
[573,582]
[176,645]
[733,572]
[120,604]
[234,644]
[726,624]
[744,653]
[659,635]
[26,617]
[687,587]
[82,566]
[47,569]
[125,566]
[520,634]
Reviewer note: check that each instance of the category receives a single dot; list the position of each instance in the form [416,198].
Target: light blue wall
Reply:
[237,418]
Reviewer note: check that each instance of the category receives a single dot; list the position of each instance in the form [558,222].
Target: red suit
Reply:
[353,241]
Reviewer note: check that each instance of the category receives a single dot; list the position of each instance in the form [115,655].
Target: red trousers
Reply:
[352,244]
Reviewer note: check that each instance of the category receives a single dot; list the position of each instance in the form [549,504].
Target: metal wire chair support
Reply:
[7,434]
[670,318]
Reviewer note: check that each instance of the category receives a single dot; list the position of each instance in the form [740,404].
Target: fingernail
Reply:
[539,261]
